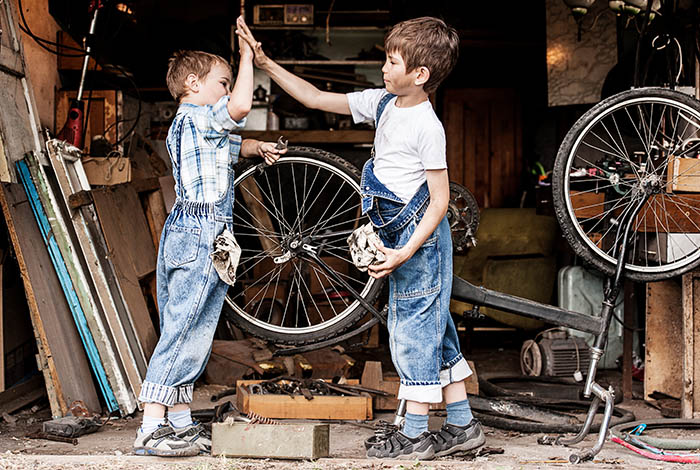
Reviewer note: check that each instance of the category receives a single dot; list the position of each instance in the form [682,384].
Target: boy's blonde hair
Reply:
[425,42]
[183,63]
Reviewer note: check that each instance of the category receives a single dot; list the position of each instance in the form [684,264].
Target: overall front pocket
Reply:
[181,245]
[420,275]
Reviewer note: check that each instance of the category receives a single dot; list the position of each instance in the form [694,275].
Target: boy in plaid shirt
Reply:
[203,150]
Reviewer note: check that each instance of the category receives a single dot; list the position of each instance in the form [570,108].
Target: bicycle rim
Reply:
[297,201]
[646,142]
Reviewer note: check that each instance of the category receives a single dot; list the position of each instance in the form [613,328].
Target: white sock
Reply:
[180,419]
[150,424]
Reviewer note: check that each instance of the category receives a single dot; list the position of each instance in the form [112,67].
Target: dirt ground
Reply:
[110,447]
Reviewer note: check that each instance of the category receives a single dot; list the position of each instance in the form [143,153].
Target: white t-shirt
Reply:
[407,142]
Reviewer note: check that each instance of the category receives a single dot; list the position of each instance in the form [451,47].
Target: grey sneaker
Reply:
[164,443]
[197,435]
[451,439]
[400,446]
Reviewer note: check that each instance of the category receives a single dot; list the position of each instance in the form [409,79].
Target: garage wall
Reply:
[41,64]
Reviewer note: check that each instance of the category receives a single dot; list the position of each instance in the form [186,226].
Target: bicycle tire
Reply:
[624,145]
[303,195]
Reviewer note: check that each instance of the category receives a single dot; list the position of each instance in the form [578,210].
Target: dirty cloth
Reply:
[225,256]
[363,243]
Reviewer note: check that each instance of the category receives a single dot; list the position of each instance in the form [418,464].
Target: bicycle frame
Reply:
[480,296]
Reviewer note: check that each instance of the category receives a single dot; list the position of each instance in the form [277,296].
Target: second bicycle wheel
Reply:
[639,144]
[308,200]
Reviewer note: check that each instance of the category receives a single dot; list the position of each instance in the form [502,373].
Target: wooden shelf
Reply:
[313,136]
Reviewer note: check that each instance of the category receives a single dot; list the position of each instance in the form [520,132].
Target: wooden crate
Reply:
[684,175]
[298,407]
[372,377]
[587,205]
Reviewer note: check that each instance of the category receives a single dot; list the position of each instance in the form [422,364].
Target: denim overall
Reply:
[423,339]
[190,296]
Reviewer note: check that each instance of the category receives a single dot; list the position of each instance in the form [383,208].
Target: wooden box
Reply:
[298,407]
[587,205]
[107,171]
[372,377]
[684,175]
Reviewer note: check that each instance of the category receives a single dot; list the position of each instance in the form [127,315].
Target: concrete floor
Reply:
[110,447]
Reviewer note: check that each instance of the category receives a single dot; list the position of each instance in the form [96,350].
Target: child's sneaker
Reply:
[451,438]
[163,442]
[400,446]
[197,435]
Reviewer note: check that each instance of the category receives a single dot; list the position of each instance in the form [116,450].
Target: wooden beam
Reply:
[79,199]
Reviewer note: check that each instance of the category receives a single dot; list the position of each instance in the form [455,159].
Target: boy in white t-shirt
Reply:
[405,192]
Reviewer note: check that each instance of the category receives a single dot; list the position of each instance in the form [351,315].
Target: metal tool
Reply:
[281,143]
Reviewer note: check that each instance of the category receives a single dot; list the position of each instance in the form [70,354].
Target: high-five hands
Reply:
[244,46]
[244,35]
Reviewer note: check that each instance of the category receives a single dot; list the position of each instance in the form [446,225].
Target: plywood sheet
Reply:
[128,237]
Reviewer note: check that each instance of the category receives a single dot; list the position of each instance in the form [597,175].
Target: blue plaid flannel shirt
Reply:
[201,148]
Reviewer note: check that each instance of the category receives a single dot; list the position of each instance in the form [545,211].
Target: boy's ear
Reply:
[422,75]
[192,82]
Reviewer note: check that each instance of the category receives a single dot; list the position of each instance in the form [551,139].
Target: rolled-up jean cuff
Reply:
[166,395]
[421,393]
[459,371]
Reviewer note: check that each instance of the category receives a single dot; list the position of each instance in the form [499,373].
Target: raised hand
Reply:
[244,46]
[244,34]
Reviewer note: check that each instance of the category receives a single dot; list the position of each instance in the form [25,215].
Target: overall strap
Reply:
[382,104]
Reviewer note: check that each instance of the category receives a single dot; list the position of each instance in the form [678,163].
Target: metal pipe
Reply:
[466,292]
[88,48]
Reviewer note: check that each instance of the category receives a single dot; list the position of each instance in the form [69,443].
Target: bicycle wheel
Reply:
[637,144]
[308,200]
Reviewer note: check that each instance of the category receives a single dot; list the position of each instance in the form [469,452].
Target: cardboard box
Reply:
[107,171]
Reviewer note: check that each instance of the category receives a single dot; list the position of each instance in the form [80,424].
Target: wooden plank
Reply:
[125,227]
[663,371]
[155,214]
[284,406]
[79,199]
[21,395]
[113,230]
[62,360]
[68,287]
[93,314]
[71,179]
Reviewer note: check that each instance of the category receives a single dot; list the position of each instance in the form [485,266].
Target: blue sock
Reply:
[180,419]
[459,413]
[150,424]
[415,425]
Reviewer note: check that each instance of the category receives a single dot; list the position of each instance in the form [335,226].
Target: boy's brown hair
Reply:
[183,63]
[425,42]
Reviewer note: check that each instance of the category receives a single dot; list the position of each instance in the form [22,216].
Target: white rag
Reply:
[226,256]
[363,243]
